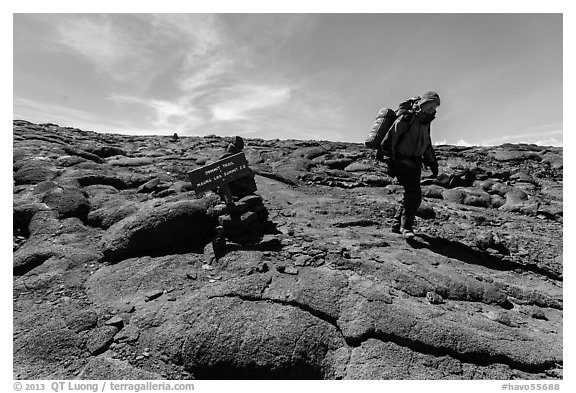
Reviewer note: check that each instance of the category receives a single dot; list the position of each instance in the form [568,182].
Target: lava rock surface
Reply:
[115,274]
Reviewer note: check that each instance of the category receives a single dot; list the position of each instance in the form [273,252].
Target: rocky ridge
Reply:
[113,268]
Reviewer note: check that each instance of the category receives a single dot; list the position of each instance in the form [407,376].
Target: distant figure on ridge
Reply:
[408,146]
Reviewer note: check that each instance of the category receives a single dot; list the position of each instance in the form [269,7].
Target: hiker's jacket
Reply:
[411,141]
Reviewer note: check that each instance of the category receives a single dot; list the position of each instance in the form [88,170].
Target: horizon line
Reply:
[459,143]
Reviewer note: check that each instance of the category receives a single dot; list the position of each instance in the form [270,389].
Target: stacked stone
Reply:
[245,220]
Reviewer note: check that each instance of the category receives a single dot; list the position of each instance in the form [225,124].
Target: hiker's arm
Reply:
[430,158]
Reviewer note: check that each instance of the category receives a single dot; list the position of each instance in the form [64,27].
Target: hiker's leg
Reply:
[397,221]
[403,177]
[412,198]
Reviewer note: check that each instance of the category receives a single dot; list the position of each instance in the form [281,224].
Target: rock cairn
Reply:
[242,217]
[245,219]
[243,222]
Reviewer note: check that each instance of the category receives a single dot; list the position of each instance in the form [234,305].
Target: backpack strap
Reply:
[408,118]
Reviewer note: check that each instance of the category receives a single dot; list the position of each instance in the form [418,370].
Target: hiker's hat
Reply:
[428,97]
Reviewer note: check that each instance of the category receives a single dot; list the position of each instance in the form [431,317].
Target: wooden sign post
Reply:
[219,174]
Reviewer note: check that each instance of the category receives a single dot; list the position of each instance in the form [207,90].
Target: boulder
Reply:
[149,186]
[31,158]
[243,186]
[169,227]
[90,165]
[232,338]
[100,339]
[109,215]
[551,210]
[463,178]
[468,196]
[130,161]
[425,211]
[49,344]
[311,152]
[69,202]
[28,258]
[376,180]
[100,195]
[44,223]
[358,167]
[338,163]
[81,320]
[181,186]
[526,186]
[34,172]
[554,160]
[68,161]
[442,180]
[515,155]
[433,191]
[500,188]
[87,177]
[129,333]
[23,210]
[496,201]
[82,153]
[108,151]
[485,185]
[251,200]
[516,200]
[553,192]
[523,177]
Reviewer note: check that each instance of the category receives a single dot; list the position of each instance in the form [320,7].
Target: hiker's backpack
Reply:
[386,117]
[383,122]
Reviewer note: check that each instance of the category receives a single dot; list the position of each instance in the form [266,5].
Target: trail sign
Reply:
[219,173]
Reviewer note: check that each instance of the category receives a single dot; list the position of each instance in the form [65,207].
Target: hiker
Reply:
[411,147]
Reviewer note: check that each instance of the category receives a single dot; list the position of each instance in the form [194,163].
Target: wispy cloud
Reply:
[198,34]
[549,142]
[164,114]
[548,133]
[195,81]
[111,48]
[220,82]
[194,73]
[239,101]
[41,112]
[230,104]
[462,142]
[543,138]
[134,48]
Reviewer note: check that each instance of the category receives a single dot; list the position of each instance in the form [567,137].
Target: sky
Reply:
[320,76]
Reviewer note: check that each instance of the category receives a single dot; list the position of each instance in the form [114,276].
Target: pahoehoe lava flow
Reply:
[122,271]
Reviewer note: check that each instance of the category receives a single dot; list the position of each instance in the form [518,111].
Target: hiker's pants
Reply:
[409,178]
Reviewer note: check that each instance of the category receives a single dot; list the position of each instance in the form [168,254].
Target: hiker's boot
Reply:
[397,225]
[407,224]
[407,234]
